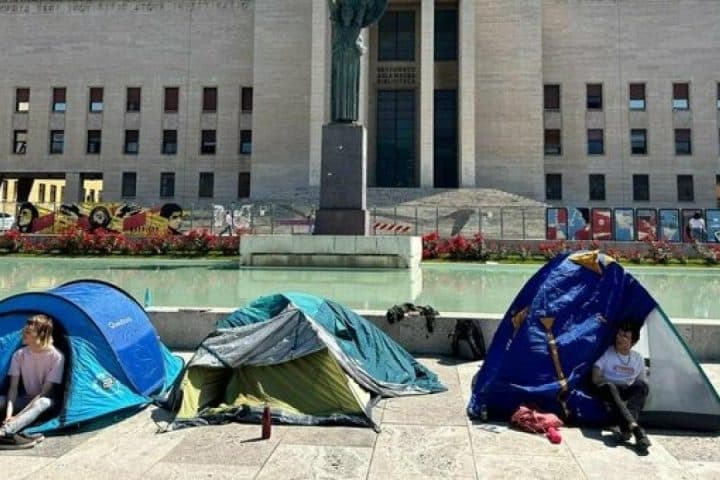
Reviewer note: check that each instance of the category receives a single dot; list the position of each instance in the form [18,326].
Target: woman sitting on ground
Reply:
[36,371]
[622,383]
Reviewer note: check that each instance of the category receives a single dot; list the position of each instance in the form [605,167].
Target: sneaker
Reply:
[15,442]
[38,437]
[642,442]
[621,433]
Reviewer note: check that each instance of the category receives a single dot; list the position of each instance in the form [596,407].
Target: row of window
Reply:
[641,187]
[396,36]
[131,146]
[133,99]
[637,96]
[638,141]
[206,185]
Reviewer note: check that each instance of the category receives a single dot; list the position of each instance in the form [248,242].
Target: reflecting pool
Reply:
[682,292]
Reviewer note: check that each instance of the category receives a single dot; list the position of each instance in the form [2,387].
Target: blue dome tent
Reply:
[114,358]
[561,322]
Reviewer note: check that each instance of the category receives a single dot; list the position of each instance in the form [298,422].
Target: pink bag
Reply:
[532,421]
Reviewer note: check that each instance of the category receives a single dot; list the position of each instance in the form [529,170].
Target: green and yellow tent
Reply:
[311,360]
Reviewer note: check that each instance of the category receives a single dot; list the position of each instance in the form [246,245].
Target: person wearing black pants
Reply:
[621,382]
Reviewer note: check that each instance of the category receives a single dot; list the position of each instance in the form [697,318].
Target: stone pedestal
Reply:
[343,185]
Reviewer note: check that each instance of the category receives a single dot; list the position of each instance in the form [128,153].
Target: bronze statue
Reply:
[349,17]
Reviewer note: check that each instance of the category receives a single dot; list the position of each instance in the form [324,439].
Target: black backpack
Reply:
[468,341]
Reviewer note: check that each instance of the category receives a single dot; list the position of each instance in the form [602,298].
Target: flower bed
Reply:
[80,242]
[650,252]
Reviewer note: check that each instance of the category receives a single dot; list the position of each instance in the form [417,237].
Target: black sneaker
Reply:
[642,442]
[16,442]
[621,433]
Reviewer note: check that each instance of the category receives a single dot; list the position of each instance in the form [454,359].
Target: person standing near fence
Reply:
[228,224]
[697,227]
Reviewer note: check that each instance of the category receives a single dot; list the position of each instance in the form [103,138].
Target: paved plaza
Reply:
[422,437]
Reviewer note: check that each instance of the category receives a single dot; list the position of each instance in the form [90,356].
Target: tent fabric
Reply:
[312,361]
[561,322]
[114,358]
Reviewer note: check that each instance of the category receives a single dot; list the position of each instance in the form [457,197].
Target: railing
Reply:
[500,223]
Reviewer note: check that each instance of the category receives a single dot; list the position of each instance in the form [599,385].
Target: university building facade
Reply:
[594,103]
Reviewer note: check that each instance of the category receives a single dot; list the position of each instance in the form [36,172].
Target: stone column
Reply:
[466,98]
[427,91]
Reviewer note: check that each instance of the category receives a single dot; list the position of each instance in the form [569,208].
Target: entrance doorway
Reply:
[445,140]
[396,153]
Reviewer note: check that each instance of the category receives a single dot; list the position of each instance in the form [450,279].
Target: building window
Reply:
[208,142]
[59,103]
[553,186]
[129,184]
[595,141]
[244,185]
[685,189]
[552,142]
[681,96]
[167,184]
[20,142]
[22,99]
[246,142]
[41,193]
[57,141]
[638,141]
[597,187]
[552,97]
[172,99]
[446,34]
[96,99]
[396,32]
[4,187]
[594,96]
[132,142]
[246,99]
[94,140]
[132,103]
[641,188]
[683,143]
[206,185]
[169,143]
[53,193]
[637,96]
[209,104]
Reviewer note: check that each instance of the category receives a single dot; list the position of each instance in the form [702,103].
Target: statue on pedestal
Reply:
[349,17]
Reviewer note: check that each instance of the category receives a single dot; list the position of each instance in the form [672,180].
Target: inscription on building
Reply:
[396,76]
[39,7]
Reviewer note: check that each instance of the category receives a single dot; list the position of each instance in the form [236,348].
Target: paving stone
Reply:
[21,466]
[188,471]
[305,461]
[422,451]
[232,444]
[513,442]
[691,447]
[328,436]
[444,408]
[445,368]
[513,467]
[703,470]
[52,447]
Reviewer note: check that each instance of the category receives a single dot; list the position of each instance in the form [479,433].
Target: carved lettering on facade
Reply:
[396,75]
[81,7]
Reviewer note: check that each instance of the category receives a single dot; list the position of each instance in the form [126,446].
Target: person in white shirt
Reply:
[621,381]
[697,227]
[228,224]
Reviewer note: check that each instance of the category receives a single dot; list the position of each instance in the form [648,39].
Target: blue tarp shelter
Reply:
[561,322]
[114,358]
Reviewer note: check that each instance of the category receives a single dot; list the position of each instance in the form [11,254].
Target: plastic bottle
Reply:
[266,423]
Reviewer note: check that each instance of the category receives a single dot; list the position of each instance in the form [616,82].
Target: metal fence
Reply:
[522,223]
